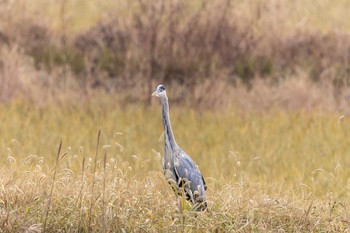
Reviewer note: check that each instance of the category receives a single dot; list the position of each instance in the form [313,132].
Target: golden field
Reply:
[259,98]
[265,172]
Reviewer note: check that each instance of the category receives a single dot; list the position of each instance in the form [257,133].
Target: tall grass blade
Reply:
[93,181]
[52,186]
[104,220]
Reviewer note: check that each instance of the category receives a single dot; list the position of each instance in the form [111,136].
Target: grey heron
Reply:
[178,167]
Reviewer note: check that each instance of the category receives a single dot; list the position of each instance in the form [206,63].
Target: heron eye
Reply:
[161,88]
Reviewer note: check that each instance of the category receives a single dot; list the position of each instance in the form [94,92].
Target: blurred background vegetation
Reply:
[255,55]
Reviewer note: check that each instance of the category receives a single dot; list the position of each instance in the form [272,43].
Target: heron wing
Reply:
[187,170]
[205,184]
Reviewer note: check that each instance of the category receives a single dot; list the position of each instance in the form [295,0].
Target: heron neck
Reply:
[168,132]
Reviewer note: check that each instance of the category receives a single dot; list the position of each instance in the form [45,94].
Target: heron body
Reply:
[179,168]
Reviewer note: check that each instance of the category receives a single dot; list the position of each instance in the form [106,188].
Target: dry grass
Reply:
[270,172]
[270,80]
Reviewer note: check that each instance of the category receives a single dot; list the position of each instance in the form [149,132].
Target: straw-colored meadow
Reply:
[268,172]
[259,97]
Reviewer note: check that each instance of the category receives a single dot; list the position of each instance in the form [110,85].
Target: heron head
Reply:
[160,91]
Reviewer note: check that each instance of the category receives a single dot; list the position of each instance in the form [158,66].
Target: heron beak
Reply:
[155,94]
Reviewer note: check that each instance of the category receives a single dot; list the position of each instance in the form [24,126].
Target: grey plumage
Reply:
[179,168]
